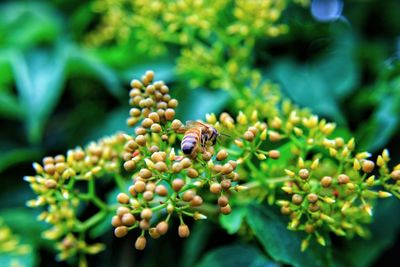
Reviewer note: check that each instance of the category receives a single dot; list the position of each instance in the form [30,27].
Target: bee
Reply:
[197,136]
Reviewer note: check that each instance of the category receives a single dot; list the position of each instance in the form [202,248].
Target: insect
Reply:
[198,135]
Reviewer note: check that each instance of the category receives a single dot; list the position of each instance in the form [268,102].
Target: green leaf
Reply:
[307,88]
[39,78]
[322,84]
[18,155]
[282,244]
[233,221]
[113,123]
[82,63]
[377,131]
[9,106]
[25,24]
[195,244]
[195,104]
[235,255]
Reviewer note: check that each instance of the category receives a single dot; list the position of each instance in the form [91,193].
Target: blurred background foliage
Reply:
[60,88]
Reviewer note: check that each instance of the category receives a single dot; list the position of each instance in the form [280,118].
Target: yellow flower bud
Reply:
[380,161]
[384,194]
[289,173]
[314,164]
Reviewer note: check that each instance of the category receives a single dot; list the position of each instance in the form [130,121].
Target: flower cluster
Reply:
[164,183]
[270,152]
[64,183]
[321,183]
[175,22]
[216,42]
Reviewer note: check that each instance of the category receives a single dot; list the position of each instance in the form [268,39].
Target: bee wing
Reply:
[192,124]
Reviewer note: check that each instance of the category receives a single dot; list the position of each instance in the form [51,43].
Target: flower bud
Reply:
[116,221]
[128,219]
[177,184]
[304,174]
[343,179]
[223,201]
[161,190]
[162,227]
[188,195]
[146,214]
[196,201]
[183,231]
[192,173]
[222,155]
[226,209]
[312,198]
[368,166]
[274,154]
[154,233]
[395,175]
[123,198]
[121,231]
[297,199]
[326,181]
[215,188]
[140,243]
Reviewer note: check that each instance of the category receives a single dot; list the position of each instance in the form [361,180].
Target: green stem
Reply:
[95,219]
[160,207]
[120,183]
[91,189]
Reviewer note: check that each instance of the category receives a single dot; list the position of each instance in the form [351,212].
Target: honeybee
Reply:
[197,136]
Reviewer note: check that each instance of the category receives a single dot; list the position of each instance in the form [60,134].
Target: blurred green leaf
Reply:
[39,78]
[322,84]
[82,63]
[281,244]
[307,88]
[375,133]
[6,77]
[233,221]
[24,260]
[25,24]
[81,18]
[195,104]
[18,155]
[113,123]
[193,247]
[104,226]
[235,255]
[9,106]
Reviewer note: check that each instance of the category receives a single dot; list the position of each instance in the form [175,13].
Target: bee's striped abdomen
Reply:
[190,141]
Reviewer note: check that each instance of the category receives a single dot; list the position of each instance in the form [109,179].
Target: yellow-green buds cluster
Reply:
[258,18]
[284,156]
[56,184]
[331,189]
[325,186]
[10,243]
[151,103]
[165,182]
